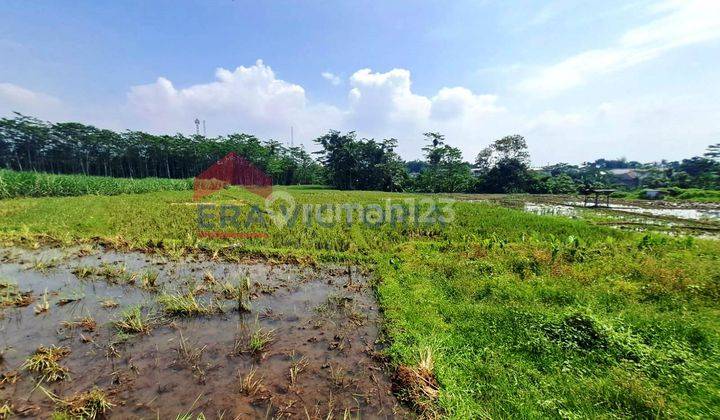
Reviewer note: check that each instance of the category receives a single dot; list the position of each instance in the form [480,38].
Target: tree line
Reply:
[344,161]
[28,144]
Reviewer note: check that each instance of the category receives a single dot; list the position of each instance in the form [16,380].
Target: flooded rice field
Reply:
[696,219]
[704,212]
[139,336]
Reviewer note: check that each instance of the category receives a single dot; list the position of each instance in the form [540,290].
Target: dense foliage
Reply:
[28,144]
[353,164]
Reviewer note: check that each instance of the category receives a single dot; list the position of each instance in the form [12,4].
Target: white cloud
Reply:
[334,79]
[249,99]
[254,100]
[384,105]
[643,128]
[455,102]
[382,99]
[682,23]
[17,98]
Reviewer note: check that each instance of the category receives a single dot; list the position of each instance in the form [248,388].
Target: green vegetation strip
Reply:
[523,315]
[36,184]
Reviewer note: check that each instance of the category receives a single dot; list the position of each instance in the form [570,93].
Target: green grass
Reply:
[525,316]
[132,320]
[183,305]
[676,194]
[45,361]
[37,184]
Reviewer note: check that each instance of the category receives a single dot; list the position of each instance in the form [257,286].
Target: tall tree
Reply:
[445,171]
[504,166]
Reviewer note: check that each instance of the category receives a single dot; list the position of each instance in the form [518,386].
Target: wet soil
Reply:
[322,324]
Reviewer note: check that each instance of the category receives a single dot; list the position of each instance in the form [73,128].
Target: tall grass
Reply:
[36,184]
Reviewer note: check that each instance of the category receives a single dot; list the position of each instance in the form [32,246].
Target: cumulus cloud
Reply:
[384,105]
[456,102]
[253,99]
[333,78]
[680,23]
[379,100]
[14,98]
[247,98]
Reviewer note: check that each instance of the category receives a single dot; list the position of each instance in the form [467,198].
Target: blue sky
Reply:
[581,80]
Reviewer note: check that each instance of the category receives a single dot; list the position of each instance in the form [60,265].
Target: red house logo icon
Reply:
[232,170]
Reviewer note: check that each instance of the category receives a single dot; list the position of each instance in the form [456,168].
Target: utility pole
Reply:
[197,126]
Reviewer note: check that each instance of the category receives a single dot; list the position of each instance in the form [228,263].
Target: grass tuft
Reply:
[12,296]
[45,361]
[183,305]
[85,405]
[250,384]
[87,324]
[133,321]
[148,280]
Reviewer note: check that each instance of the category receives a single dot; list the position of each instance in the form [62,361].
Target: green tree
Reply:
[504,166]
[445,171]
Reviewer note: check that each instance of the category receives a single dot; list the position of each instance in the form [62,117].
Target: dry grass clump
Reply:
[250,384]
[9,378]
[11,296]
[6,411]
[84,271]
[85,405]
[191,356]
[238,291]
[44,266]
[45,361]
[87,324]
[296,367]
[209,277]
[417,385]
[109,303]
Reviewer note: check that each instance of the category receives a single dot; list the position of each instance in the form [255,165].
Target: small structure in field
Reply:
[588,192]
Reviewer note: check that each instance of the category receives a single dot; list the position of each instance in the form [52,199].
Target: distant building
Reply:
[628,177]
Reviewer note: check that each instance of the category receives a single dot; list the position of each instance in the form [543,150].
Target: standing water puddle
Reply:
[305,349]
[680,213]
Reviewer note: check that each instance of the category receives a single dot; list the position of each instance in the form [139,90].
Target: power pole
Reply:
[197,126]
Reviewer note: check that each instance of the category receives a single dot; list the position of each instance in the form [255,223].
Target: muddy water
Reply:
[323,321]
